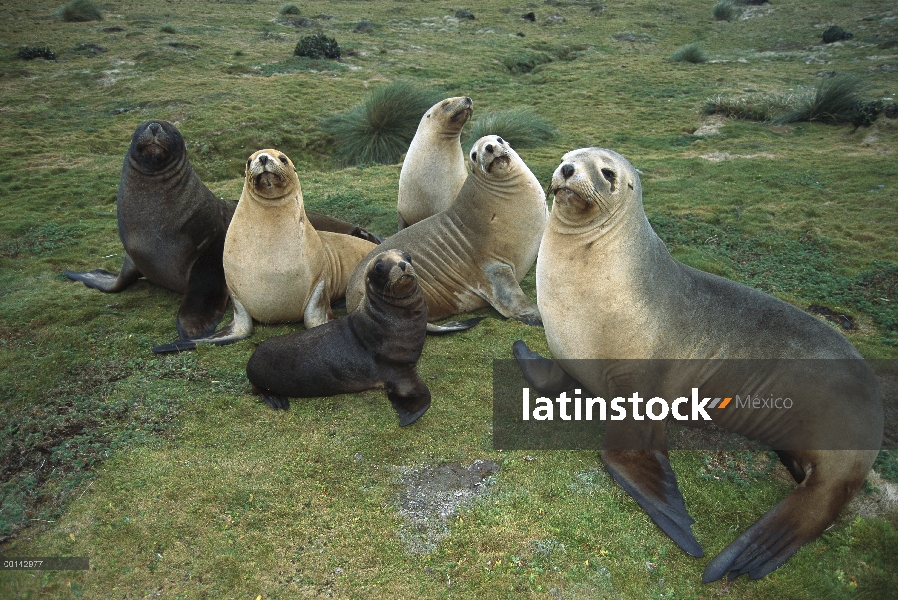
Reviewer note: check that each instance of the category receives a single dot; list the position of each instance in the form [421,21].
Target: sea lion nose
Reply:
[263,159]
[489,148]
[500,140]
[402,264]
[468,101]
[567,171]
[154,128]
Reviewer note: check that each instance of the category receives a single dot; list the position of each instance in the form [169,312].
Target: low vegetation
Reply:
[521,127]
[691,53]
[379,130]
[79,11]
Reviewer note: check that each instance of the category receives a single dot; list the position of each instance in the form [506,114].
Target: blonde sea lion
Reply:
[278,268]
[607,288]
[375,346]
[476,252]
[434,167]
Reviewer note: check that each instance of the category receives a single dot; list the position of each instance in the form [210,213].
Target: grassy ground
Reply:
[177,483]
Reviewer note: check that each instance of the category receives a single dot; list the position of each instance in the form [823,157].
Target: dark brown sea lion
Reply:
[173,229]
[375,346]
[607,288]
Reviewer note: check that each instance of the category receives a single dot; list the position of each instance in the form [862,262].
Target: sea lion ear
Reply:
[630,185]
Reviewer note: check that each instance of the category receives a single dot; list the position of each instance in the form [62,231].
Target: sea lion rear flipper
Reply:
[207,295]
[322,222]
[646,475]
[240,327]
[106,281]
[410,398]
[507,297]
[273,400]
[542,374]
[798,519]
[450,326]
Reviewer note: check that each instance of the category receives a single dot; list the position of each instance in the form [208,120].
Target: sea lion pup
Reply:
[277,267]
[173,229]
[607,288]
[434,167]
[375,346]
[476,252]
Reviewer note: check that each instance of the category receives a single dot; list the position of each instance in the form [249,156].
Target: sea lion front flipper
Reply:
[240,327]
[318,309]
[507,297]
[450,326]
[542,374]
[204,303]
[646,475]
[106,281]
[410,397]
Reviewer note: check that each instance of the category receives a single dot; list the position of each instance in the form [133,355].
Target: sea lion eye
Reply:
[610,176]
[248,163]
[379,268]
[283,159]
[407,258]
[474,156]
[500,140]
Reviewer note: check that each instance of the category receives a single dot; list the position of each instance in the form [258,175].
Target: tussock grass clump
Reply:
[690,53]
[380,129]
[168,29]
[836,100]
[289,9]
[525,62]
[760,107]
[724,10]
[522,127]
[29,53]
[80,11]
[318,45]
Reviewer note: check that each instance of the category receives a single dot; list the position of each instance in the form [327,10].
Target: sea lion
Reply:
[278,268]
[607,288]
[476,252]
[434,167]
[375,346]
[173,229]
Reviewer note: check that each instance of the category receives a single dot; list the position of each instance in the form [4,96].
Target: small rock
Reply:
[650,566]
[891,111]
[464,14]
[555,20]
[363,27]
[836,34]
[529,17]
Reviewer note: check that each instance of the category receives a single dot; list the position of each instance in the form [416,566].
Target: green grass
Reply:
[177,483]
[724,10]
[79,11]
[289,9]
[691,53]
[521,127]
[379,130]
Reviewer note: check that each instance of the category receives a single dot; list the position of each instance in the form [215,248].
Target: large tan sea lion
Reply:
[607,288]
[476,252]
[278,268]
[173,229]
[375,346]
[434,167]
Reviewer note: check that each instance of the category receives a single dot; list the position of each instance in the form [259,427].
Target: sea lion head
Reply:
[492,157]
[155,145]
[391,275]
[591,184]
[450,115]
[271,177]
